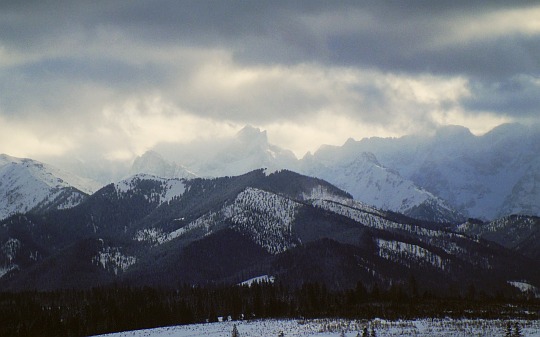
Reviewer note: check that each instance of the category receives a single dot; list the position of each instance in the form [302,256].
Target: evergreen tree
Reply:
[517,330]
[365,332]
[234,332]
[508,332]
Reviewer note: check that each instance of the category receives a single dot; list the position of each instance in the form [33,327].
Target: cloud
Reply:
[28,139]
[219,94]
[517,96]
[119,77]
[493,24]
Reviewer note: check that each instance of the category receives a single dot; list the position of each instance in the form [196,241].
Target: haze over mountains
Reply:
[373,210]
[447,176]
[485,177]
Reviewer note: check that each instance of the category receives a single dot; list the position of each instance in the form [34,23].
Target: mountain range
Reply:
[448,176]
[449,209]
[487,177]
[147,230]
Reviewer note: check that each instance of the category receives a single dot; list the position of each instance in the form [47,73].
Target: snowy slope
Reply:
[341,327]
[368,181]
[405,252]
[525,195]
[485,176]
[26,184]
[264,217]
[517,232]
[167,190]
[112,259]
[50,175]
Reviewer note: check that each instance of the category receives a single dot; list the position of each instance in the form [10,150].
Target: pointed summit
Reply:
[350,142]
[153,163]
[252,135]
[149,162]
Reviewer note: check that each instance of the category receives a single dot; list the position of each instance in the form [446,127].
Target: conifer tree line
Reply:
[513,330]
[119,308]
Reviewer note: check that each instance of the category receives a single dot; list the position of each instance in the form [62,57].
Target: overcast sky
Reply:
[118,77]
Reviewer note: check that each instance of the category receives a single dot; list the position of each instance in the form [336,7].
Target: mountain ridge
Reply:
[163,232]
[451,174]
[29,185]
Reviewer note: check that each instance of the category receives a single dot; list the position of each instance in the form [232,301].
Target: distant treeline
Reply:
[119,308]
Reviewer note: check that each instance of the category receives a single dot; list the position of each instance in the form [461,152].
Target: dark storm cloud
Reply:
[519,96]
[490,60]
[395,37]
[404,37]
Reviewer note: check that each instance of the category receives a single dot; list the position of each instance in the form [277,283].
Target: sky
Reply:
[112,79]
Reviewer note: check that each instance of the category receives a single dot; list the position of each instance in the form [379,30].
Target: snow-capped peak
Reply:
[252,134]
[370,182]
[26,184]
[153,163]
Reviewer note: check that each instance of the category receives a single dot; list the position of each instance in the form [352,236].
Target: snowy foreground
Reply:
[327,328]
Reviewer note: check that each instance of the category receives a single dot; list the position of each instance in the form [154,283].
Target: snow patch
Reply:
[7,269]
[258,279]
[205,222]
[408,254]
[111,259]
[150,235]
[10,249]
[156,236]
[167,191]
[321,193]
[525,287]
[173,188]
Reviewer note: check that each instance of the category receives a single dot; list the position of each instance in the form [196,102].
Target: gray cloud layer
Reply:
[90,67]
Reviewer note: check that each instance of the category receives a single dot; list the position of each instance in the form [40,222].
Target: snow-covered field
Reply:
[328,328]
